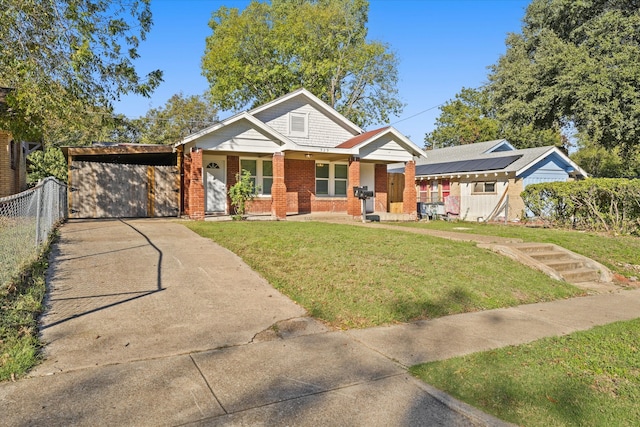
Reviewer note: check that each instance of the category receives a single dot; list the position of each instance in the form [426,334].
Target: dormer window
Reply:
[299,124]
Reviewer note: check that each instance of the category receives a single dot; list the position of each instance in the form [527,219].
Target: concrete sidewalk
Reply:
[151,324]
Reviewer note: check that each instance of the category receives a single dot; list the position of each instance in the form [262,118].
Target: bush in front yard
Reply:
[599,204]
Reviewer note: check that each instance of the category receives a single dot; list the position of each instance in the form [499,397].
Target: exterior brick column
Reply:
[354,206]
[381,188]
[409,195]
[196,186]
[279,188]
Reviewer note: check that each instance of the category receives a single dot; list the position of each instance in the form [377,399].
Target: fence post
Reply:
[38,203]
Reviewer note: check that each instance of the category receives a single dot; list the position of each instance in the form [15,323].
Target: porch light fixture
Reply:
[308,155]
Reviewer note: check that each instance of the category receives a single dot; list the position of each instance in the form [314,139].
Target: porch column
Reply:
[196,186]
[409,195]
[381,191]
[279,188]
[354,207]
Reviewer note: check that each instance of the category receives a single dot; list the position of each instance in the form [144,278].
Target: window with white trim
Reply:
[484,187]
[261,174]
[299,124]
[332,179]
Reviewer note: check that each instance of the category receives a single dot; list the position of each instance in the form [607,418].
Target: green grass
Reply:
[21,302]
[353,277]
[621,254]
[589,378]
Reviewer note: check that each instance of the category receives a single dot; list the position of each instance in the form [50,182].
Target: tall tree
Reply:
[471,117]
[574,64]
[61,56]
[181,116]
[466,119]
[270,49]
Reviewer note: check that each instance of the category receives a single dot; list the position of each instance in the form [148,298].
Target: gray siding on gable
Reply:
[323,130]
[385,149]
[238,137]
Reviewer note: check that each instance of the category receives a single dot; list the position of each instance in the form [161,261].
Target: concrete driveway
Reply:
[150,324]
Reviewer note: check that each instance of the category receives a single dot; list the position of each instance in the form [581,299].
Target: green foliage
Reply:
[242,192]
[352,280]
[600,162]
[181,116]
[21,302]
[467,119]
[593,204]
[68,60]
[271,49]
[587,378]
[574,64]
[50,162]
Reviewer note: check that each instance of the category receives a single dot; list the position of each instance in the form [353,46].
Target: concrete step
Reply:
[544,256]
[567,264]
[581,275]
[530,248]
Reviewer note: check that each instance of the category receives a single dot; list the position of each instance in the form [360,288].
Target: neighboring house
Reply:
[303,157]
[13,169]
[483,181]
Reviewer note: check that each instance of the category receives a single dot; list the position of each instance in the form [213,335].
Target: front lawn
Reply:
[589,378]
[354,277]
[621,254]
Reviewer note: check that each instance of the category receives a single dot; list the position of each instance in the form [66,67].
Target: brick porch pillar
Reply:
[196,186]
[409,195]
[279,188]
[354,206]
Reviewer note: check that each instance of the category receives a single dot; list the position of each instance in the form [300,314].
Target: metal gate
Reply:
[112,190]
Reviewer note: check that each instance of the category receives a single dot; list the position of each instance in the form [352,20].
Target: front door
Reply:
[215,187]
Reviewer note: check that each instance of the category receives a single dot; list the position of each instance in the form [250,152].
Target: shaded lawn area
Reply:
[621,254]
[589,378]
[353,277]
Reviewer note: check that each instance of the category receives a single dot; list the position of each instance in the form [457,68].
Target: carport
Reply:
[123,181]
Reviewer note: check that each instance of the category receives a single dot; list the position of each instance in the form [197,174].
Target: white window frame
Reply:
[305,118]
[331,181]
[259,177]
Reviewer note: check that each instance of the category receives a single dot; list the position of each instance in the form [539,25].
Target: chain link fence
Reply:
[26,220]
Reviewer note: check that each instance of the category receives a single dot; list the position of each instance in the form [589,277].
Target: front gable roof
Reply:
[316,102]
[261,130]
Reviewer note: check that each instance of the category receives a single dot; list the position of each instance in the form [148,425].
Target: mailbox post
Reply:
[363,193]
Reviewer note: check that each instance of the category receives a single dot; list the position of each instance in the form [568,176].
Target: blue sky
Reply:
[442,46]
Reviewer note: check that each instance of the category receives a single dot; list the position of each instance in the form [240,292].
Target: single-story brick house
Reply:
[483,181]
[303,156]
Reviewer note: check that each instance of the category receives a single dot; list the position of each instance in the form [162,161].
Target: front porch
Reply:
[291,186]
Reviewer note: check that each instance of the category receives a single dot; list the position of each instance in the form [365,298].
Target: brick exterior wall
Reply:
[354,206]
[186,181]
[516,204]
[300,180]
[279,189]
[409,195]
[196,186]
[12,180]
[381,188]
